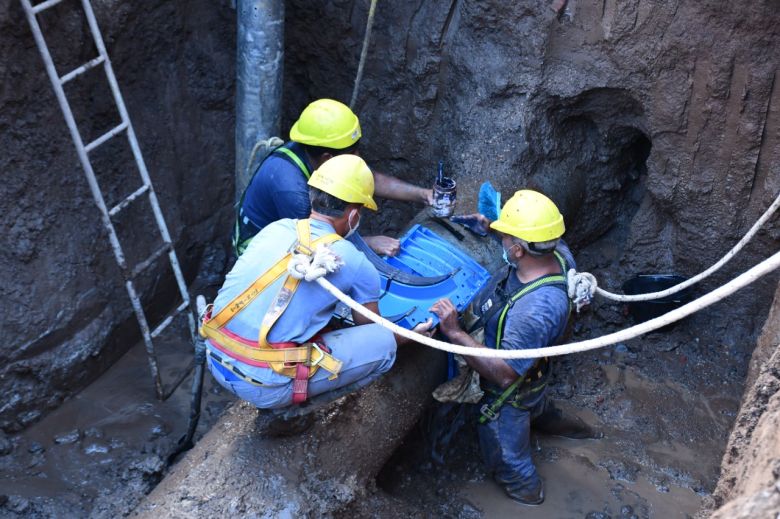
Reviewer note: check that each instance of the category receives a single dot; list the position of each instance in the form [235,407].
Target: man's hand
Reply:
[383,245]
[424,328]
[448,317]
[477,222]
[427,196]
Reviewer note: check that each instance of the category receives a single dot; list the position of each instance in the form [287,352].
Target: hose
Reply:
[763,268]
[186,443]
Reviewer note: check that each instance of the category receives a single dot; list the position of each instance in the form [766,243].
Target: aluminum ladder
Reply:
[125,126]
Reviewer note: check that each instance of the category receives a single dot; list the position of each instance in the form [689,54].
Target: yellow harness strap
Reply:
[281,360]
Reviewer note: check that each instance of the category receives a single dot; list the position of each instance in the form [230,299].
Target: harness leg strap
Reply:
[300,385]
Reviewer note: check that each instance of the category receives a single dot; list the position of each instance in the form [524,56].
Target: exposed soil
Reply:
[72,317]
[99,453]
[665,406]
[749,484]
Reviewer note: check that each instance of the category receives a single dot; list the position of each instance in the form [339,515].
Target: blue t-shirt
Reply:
[279,189]
[310,308]
[536,320]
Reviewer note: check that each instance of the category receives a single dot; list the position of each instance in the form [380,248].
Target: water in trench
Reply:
[101,451]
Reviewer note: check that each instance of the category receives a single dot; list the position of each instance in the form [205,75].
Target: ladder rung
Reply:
[151,259]
[44,5]
[168,320]
[83,68]
[127,201]
[103,138]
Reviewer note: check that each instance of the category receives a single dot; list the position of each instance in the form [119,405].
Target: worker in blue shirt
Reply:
[524,306]
[267,337]
[325,129]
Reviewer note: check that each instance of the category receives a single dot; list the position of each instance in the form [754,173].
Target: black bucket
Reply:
[643,311]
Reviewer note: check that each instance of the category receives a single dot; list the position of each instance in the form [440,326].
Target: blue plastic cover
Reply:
[424,253]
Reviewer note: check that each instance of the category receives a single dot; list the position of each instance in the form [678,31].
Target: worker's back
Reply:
[311,306]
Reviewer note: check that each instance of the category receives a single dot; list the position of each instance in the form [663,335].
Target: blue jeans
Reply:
[366,352]
[506,444]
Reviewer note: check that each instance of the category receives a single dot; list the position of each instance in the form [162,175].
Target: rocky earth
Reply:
[749,484]
[654,125]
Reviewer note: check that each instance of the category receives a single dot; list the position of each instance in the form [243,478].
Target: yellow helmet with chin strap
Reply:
[530,216]
[327,123]
[347,178]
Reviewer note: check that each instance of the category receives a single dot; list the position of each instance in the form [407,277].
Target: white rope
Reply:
[584,279]
[324,260]
[716,295]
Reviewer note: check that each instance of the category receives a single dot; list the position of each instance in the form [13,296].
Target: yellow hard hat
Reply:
[346,177]
[327,123]
[530,216]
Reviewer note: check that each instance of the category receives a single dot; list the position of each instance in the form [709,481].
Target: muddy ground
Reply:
[102,451]
[664,431]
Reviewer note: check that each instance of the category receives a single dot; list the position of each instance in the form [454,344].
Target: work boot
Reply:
[533,496]
[554,422]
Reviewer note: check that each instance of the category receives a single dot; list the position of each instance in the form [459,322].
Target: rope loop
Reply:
[311,268]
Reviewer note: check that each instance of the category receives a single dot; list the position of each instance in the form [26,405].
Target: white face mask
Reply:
[352,230]
[505,255]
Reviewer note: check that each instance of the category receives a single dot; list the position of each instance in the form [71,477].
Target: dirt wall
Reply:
[749,484]
[66,315]
[654,125]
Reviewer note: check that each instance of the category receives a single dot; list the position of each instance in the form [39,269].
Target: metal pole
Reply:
[259,68]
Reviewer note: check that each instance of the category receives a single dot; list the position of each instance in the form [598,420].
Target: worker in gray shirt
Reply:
[524,306]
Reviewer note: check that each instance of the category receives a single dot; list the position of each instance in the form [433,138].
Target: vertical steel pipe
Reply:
[259,69]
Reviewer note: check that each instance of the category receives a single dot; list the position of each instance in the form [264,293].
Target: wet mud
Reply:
[664,404]
[105,448]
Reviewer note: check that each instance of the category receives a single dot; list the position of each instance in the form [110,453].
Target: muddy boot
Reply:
[533,496]
[554,422]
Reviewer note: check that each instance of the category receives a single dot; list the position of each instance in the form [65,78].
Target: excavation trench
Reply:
[653,125]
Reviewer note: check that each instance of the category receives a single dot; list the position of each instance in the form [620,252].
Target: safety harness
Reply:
[245,229]
[536,378]
[297,361]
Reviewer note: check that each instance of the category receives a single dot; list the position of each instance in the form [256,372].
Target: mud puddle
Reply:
[105,448]
[577,487]
[665,404]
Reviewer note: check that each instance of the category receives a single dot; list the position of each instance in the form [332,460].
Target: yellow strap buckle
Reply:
[300,248]
[319,350]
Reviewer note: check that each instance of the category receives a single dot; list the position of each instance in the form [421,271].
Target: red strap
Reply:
[300,386]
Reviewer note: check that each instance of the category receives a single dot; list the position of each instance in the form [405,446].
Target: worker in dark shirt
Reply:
[278,189]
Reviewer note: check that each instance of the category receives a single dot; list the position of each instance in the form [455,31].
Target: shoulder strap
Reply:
[496,287]
[290,154]
[284,295]
[542,281]
[279,150]
[265,279]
